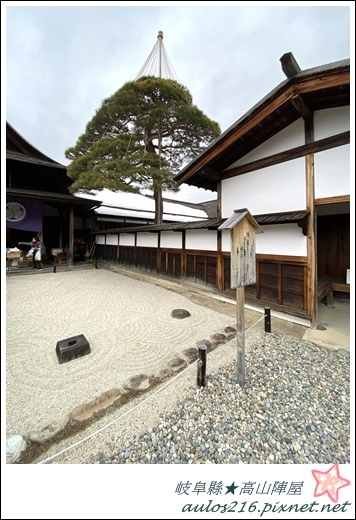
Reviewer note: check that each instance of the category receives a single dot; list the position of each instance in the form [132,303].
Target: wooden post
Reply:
[201,365]
[240,335]
[267,319]
[243,272]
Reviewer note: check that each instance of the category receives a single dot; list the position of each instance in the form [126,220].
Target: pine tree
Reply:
[139,138]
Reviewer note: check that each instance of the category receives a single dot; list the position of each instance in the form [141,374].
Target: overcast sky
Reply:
[63,60]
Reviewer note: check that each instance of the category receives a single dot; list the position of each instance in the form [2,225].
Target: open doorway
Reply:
[333,247]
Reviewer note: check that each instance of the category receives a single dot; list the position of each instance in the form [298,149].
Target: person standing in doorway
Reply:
[34,246]
[41,253]
[38,250]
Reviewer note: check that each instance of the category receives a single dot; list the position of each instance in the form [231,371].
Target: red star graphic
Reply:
[329,482]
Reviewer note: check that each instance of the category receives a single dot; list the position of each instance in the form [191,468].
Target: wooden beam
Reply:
[301,107]
[282,259]
[210,173]
[288,155]
[290,66]
[332,200]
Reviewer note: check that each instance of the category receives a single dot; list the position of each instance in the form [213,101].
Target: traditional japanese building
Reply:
[287,161]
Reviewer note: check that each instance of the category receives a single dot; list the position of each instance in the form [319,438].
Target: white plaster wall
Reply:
[331,122]
[281,239]
[332,172]
[100,239]
[171,239]
[112,240]
[147,239]
[270,190]
[126,239]
[290,137]
[226,240]
[201,239]
[276,239]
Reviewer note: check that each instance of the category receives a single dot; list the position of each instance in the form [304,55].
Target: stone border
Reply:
[26,448]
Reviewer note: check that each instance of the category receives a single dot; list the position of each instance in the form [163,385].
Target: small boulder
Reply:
[14,446]
[180,314]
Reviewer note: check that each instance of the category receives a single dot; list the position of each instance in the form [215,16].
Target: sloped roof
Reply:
[135,205]
[19,149]
[51,196]
[173,226]
[210,223]
[326,86]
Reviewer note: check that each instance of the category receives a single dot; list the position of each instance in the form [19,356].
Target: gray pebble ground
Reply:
[293,409]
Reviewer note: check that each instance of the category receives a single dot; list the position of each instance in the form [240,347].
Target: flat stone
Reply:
[162,374]
[218,338]
[84,412]
[139,382]
[177,364]
[49,431]
[229,329]
[191,354]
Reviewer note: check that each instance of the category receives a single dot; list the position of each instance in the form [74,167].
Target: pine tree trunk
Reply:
[158,206]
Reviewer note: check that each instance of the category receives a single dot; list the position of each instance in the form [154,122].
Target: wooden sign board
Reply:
[243,249]
[243,255]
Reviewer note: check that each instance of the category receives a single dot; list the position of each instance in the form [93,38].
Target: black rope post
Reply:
[267,319]
[202,350]
[54,268]
[96,263]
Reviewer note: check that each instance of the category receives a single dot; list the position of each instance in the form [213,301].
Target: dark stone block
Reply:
[180,314]
[72,348]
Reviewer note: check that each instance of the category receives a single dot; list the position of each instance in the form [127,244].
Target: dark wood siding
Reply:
[333,246]
[280,284]
[280,281]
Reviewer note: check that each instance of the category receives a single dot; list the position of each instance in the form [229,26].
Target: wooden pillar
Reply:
[184,258]
[311,228]
[60,238]
[158,258]
[71,234]
[219,264]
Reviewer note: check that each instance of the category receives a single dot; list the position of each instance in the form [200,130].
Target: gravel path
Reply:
[293,409]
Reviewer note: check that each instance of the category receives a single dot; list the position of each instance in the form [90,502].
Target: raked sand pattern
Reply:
[127,323]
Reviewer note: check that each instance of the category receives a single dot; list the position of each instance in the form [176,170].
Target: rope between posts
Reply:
[121,417]
[256,323]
